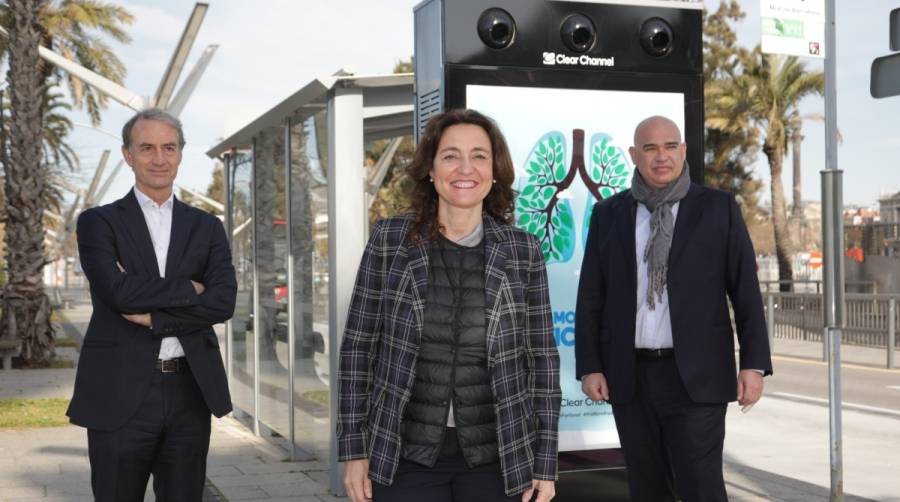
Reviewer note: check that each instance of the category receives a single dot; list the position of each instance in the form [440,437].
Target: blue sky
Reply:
[270,48]
[869,153]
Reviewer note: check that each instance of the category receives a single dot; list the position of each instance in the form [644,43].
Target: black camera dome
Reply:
[656,37]
[578,33]
[496,28]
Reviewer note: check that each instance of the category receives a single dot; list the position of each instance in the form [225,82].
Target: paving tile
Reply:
[222,470]
[292,489]
[242,492]
[259,479]
[33,491]
[332,498]
[280,467]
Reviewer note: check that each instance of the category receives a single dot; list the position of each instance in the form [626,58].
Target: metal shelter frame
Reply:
[360,109]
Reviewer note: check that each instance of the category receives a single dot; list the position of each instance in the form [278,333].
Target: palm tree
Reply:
[728,155]
[796,142]
[26,309]
[58,154]
[764,93]
[72,28]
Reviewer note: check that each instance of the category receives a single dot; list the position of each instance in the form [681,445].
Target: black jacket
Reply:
[711,260]
[381,342]
[118,358]
[452,365]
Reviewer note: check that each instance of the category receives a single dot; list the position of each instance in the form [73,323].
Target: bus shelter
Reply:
[296,209]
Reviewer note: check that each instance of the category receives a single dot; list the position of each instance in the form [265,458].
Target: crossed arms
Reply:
[175,306]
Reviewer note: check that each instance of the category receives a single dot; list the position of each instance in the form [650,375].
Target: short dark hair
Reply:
[423,197]
[152,114]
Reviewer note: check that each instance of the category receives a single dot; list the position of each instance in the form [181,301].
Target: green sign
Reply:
[790,28]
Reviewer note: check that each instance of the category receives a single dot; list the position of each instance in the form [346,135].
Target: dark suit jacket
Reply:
[381,343]
[711,257]
[118,357]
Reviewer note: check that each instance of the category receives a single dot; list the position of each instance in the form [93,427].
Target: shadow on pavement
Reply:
[742,482]
[64,450]
[608,486]
[749,481]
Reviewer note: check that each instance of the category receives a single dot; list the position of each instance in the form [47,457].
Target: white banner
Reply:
[793,27]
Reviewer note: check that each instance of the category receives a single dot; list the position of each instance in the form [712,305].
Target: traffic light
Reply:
[886,69]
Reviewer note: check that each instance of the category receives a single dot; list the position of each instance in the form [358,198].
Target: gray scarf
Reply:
[662,227]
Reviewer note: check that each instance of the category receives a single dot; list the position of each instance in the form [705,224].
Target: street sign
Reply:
[793,27]
[885,76]
[885,79]
[815,259]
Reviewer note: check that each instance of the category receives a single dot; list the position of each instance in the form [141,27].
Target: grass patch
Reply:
[316,396]
[53,363]
[59,363]
[65,341]
[30,413]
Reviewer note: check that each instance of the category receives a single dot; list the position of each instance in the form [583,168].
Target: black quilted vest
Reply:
[452,364]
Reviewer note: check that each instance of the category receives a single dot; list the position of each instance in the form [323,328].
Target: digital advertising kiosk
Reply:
[567,82]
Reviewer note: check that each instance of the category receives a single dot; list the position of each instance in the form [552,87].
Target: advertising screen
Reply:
[570,149]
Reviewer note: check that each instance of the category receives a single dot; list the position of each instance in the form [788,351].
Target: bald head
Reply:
[655,122]
[658,152]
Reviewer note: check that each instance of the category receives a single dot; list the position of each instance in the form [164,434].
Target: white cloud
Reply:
[271,48]
[267,51]
[153,24]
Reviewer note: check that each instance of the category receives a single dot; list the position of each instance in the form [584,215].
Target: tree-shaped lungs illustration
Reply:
[539,209]
[608,173]
[544,209]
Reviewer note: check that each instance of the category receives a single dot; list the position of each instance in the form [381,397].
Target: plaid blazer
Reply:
[381,344]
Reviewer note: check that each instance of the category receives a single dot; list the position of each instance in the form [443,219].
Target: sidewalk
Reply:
[850,354]
[779,451]
[51,464]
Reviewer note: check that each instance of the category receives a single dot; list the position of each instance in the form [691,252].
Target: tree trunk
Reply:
[269,177]
[302,244]
[797,138]
[26,309]
[783,245]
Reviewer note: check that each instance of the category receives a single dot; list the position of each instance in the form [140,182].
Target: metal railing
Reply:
[815,286]
[871,320]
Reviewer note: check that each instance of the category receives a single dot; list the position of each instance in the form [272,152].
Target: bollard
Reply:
[892,331]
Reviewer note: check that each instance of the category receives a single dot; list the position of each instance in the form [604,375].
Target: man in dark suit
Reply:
[653,335]
[150,371]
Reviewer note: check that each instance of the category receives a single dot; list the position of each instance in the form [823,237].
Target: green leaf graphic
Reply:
[609,171]
[538,209]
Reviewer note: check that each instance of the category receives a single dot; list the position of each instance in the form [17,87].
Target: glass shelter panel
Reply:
[242,353]
[271,270]
[309,251]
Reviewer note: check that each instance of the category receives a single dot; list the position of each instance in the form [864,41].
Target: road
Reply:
[869,387]
[780,449]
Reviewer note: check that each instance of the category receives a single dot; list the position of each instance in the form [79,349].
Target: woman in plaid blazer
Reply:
[462,193]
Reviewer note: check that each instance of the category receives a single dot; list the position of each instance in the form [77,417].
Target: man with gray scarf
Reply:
[653,333]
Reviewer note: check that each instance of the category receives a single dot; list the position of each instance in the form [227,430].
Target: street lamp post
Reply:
[833,247]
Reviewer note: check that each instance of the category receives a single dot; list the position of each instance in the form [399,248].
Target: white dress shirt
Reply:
[159,223]
[653,328]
